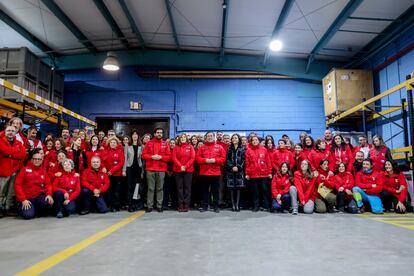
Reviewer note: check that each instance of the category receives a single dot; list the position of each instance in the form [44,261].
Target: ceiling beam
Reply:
[279,25]
[335,26]
[293,67]
[387,36]
[111,21]
[60,14]
[174,30]
[132,23]
[26,34]
[226,4]
[370,18]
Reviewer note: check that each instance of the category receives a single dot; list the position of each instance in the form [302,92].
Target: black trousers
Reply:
[184,181]
[133,177]
[210,185]
[260,192]
[114,191]
[388,199]
[170,192]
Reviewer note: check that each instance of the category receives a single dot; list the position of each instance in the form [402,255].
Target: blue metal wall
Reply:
[391,75]
[267,106]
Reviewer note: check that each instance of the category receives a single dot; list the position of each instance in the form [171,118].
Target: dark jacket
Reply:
[235,157]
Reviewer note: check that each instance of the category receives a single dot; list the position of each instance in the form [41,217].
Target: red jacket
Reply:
[224,145]
[98,152]
[307,189]
[50,157]
[298,160]
[324,178]
[344,179]
[328,145]
[378,158]
[306,152]
[68,183]
[11,156]
[209,151]
[53,170]
[280,184]
[345,156]
[160,147]
[316,156]
[114,160]
[183,155]
[280,156]
[258,163]
[92,179]
[393,182]
[365,182]
[31,182]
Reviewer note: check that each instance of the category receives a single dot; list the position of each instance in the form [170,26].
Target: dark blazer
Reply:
[235,158]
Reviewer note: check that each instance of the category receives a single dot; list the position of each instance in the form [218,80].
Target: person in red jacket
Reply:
[304,189]
[281,183]
[56,169]
[344,182]
[341,153]
[12,154]
[395,188]
[95,183]
[357,165]
[210,156]
[317,155]
[258,171]
[379,153]
[66,138]
[183,156]
[33,188]
[328,139]
[95,149]
[32,140]
[282,155]
[18,124]
[114,161]
[66,189]
[50,158]
[156,154]
[325,202]
[299,156]
[367,189]
[308,145]
[270,144]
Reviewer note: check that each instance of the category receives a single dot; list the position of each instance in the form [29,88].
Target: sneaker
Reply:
[84,212]
[341,210]
[204,209]
[59,215]
[295,211]
[216,210]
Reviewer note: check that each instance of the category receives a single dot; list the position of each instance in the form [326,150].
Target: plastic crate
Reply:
[44,75]
[58,82]
[19,60]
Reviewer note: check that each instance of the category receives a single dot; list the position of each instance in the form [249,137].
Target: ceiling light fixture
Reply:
[111,62]
[276,45]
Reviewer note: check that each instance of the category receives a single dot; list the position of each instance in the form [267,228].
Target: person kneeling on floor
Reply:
[326,199]
[94,184]
[395,188]
[66,189]
[368,188]
[344,182]
[305,189]
[33,188]
[281,183]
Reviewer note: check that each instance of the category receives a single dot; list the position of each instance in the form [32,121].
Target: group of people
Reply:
[77,173]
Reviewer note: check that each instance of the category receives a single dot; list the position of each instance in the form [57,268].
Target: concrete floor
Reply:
[212,244]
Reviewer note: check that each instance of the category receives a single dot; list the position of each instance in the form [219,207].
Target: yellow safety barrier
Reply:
[402,153]
[39,99]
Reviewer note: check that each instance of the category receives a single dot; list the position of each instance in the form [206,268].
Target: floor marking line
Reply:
[64,254]
[378,218]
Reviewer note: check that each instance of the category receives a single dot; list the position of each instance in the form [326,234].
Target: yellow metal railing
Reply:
[39,99]
[402,153]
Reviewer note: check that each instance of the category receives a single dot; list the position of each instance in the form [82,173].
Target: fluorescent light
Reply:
[276,45]
[111,62]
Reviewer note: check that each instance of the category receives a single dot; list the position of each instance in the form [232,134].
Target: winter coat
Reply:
[235,158]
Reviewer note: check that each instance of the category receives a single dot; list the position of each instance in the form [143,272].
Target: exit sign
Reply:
[135,105]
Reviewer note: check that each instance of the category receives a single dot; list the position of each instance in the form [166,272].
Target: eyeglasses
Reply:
[37,159]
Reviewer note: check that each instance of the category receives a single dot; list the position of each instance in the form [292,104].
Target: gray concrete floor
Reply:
[212,244]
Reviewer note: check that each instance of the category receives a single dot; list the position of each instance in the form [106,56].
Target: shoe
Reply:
[233,209]
[255,209]
[149,210]
[84,212]
[217,210]
[160,210]
[295,211]
[237,208]
[131,209]
[341,210]
[204,209]
[59,215]
[334,209]
[186,209]
[1,213]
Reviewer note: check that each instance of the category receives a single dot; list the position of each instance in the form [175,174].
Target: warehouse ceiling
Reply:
[315,33]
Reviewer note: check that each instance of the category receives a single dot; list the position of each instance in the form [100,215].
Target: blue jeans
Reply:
[89,198]
[70,208]
[39,207]
[373,201]
[285,203]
